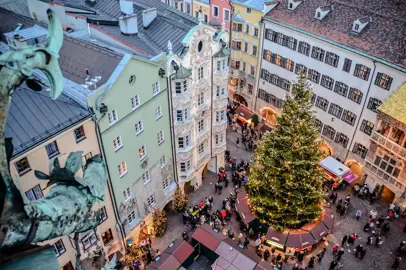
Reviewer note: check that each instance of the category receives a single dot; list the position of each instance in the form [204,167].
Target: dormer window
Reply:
[290,5]
[318,15]
[360,24]
[322,12]
[294,4]
[356,26]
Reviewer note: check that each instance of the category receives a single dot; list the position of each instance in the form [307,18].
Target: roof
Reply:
[384,38]
[243,208]
[165,262]
[170,24]
[182,73]
[207,2]
[334,166]
[234,257]
[395,105]
[28,33]
[35,117]
[238,18]
[255,4]
[207,237]
[9,21]
[17,6]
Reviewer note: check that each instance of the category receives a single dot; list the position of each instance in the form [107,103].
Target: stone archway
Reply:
[269,116]
[325,149]
[240,100]
[355,167]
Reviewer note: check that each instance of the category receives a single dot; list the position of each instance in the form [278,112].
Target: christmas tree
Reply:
[285,182]
[133,253]
[159,222]
[180,201]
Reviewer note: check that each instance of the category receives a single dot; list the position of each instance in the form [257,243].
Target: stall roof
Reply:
[234,256]
[334,166]
[165,262]
[317,229]
[208,237]
[327,217]
[183,252]
[277,236]
[243,209]
[244,112]
[300,239]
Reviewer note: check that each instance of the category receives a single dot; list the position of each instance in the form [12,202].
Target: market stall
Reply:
[178,254]
[205,240]
[244,211]
[243,115]
[335,171]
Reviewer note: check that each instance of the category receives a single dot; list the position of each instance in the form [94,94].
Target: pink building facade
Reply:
[220,10]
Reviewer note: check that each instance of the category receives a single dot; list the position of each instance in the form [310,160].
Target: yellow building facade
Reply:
[245,52]
[202,6]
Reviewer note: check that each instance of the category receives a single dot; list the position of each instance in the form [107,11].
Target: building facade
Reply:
[245,50]
[134,128]
[198,81]
[350,74]
[203,7]
[220,11]
[384,169]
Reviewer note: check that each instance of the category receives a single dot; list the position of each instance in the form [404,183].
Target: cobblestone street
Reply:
[376,258]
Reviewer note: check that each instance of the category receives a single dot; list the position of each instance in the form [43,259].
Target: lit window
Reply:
[52,149]
[139,127]
[383,80]
[135,102]
[127,193]
[113,117]
[122,169]
[142,152]
[117,143]
[160,137]
[158,112]
[79,134]
[155,88]
[22,166]
[107,237]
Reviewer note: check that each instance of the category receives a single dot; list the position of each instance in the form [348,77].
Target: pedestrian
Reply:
[246,242]
[345,238]
[358,214]
[311,262]
[321,255]
[238,142]
[333,265]
[340,253]
[378,241]
[296,267]
[335,250]
[363,253]
[266,254]
[340,266]
[342,211]
[370,239]
[300,256]
[339,206]
[335,198]
[396,262]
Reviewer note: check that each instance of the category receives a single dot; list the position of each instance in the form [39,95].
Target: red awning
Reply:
[244,112]
[243,208]
[183,252]
[164,262]
[349,177]
[206,239]
[327,218]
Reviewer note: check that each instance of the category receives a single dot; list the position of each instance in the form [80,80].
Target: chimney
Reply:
[127,7]
[128,24]
[148,15]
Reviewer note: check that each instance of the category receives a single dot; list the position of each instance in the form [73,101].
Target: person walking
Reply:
[333,265]
[238,142]
[340,253]
[378,241]
[335,250]
[358,214]
[345,238]
[246,242]
[396,262]
[321,255]
[340,266]
[370,239]
[363,253]
[311,262]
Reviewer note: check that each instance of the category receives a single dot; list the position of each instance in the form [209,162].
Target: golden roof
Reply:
[395,105]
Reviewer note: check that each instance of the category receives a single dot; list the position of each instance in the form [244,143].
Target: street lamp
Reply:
[129,242]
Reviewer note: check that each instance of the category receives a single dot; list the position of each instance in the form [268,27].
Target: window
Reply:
[166,183]
[262,94]
[185,166]
[355,95]
[247,28]
[113,116]
[347,65]
[117,143]
[373,104]
[160,137]
[270,35]
[322,103]
[366,127]
[52,149]
[329,132]
[341,89]
[200,99]
[226,14]
[201,148]
[318,53]
[349,117]
[22,166]
[155,88]
[248,11]
[107,237]
[256,32]
[35,193]
[304,48]
[237,27]
[236,45]
[332,59]
[101,214]
[142,152]
[300,68]
[127,194]
[132,217]
[235,64]
[267,55]
[162,160]
[318,124]
[383,80]
[220,91]
[327,82]
[387,164]
[215,11]
[146,177]
[79,134]
[201,125]
[218,66]
[59,248]
[341,139]
[254,50]
[252,71]
[360,150]
[335,110]
[224,64]
[181,87]
[182,115]
[313,98]
[135,102]
[219,138]
[362,71]
[139,127]
[158,112]
[220,116]
[291,43]
[151,201]
[122,169]
[205,18]
[89,240]
[314,76]
[200,72]
[183,142]
[289,64]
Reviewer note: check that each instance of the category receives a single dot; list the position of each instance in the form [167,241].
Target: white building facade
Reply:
[198,80]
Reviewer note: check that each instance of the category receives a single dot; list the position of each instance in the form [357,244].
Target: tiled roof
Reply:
[238,18]
[255,4]
[170,24]
[34,117]
[395,105]
[384,38]
[17,6]
[9,21]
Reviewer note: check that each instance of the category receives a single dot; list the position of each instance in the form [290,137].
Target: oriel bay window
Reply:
[181,87]
[388,165]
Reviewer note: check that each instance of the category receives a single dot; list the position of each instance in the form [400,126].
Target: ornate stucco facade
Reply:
[198,78]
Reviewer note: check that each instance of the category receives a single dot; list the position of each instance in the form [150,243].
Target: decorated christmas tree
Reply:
[180,200]
[159,222]
[133,253]
[285,182]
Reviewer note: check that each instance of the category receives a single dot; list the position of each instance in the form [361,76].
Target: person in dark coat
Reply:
[396,262]
[363,253]
[267,254]
[311,262]
[345,238]
[340,253]
[333,265]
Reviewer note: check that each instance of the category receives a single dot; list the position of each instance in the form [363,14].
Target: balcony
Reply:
[399,183]
[389,145]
